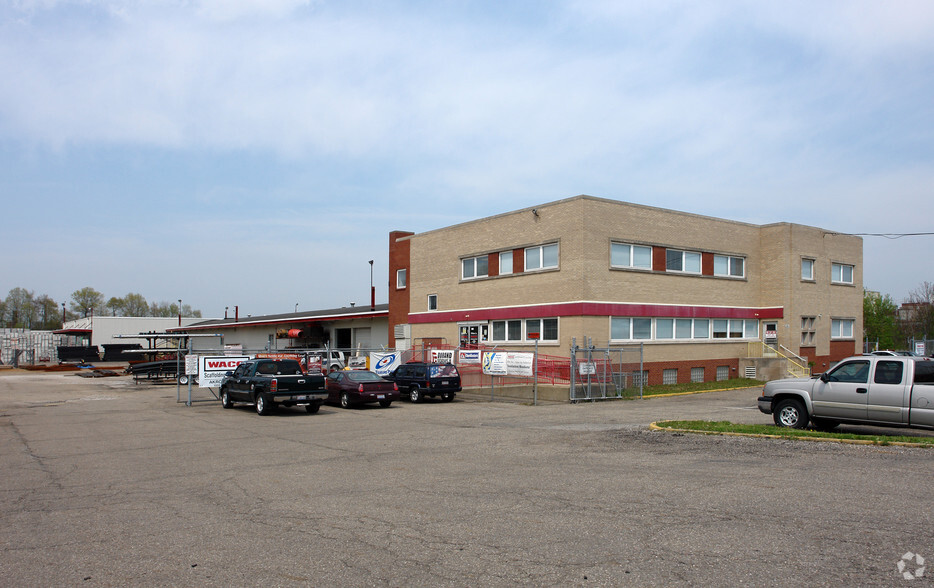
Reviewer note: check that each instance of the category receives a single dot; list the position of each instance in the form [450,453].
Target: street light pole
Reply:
[372,289]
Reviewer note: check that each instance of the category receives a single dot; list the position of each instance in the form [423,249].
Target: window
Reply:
[628,329]
[855,372]
[541,257]
[735,329]
[400,279]
[688,262]
[841,328]
[733,267]
[807,330]
[475,267]
[505,262]
[697,374]
[635,256]
[723,373]
[432,302]
[669,376]
[888,372]
[547,329]
[841,273]
[807,269]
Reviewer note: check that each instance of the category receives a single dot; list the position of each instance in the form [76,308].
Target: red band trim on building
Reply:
[596,309]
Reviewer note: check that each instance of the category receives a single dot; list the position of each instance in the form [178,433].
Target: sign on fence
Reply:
[468,356]
[385,363]
[213,368]
[508,363]
[442,356]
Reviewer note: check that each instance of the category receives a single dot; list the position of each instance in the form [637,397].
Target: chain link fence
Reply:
[607,373]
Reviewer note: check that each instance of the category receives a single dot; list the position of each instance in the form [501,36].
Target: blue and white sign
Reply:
[384,363]
[468,356]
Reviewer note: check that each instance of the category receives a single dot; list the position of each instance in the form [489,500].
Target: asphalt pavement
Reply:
[110,483]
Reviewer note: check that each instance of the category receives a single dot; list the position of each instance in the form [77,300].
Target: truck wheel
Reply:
[824,425]
[312,408]
[345,400]
[263,404]
[415,395]
[225,399]
[447,396]
[790,413]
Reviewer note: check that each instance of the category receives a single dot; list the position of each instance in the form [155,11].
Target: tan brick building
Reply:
[695,290]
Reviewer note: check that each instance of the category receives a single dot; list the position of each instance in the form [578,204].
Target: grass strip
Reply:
[728,428]
[693,387]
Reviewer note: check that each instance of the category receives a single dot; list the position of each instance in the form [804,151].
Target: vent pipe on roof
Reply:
[236,314]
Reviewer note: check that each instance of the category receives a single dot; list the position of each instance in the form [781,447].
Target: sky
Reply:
[257,153]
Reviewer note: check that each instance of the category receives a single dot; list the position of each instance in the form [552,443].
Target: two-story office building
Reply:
[695,290]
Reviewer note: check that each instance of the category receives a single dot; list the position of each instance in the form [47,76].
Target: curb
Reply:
[654,426]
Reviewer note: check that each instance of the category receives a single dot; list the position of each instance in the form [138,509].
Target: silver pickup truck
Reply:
[890,391]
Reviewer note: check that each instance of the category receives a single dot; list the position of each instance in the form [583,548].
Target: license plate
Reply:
[380,396]
[444,382]
[302,398]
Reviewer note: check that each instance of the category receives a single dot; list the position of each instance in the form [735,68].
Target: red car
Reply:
[354,387]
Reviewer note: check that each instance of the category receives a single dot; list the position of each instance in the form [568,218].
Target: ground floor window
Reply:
[723,373]
[524,331]
[697,374]
[670,376]
[841,328]
[674,329]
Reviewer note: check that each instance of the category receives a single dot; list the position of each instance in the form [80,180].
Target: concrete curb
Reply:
[656,427]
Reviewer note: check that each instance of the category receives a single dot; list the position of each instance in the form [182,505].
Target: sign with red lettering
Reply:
[212,369]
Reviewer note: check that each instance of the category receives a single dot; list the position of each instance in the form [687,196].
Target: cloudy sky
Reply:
[170,148]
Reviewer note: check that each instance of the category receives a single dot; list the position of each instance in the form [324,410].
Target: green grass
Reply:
[701,386]
[728,427]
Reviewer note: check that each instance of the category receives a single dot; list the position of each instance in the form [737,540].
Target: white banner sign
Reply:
[442,356]
[468,356]
[507,363]
[213,368]
[384,363]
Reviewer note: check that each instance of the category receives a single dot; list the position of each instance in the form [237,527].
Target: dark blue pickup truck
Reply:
[266,383]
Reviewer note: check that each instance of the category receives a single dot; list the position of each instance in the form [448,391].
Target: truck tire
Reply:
[264,406]
[225,398]
[790,413]
[312,408]
[415,394]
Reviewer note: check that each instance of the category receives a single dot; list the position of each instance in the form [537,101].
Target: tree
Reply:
[20,309]
[115,305]
[135,305]
[880,319]
[85,300]
[48,313]
[918,312]
[163,309]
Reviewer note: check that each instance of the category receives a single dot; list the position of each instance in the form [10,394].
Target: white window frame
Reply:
[685,255]
[807,269]
[842,328]
[505,268]
[523,333]
[736,329]
[473,262]
[838,273]
[731,262]
[401,279]
[432,302]
[626,258]
[540,251]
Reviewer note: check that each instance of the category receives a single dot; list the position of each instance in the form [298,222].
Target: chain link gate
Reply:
[606,373]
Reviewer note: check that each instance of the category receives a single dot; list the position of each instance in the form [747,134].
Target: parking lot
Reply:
[107,483]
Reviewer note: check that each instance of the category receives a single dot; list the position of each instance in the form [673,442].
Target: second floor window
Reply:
[475,267]
[541,257]
[840,273]
[625,255]
[688,262]
[725,265]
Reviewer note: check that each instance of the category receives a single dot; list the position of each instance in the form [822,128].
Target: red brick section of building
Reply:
[398,297]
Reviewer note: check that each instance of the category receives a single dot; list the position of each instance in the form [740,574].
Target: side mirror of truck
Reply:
[824,377]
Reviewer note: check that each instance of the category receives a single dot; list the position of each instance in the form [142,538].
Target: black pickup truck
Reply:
[266,383]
